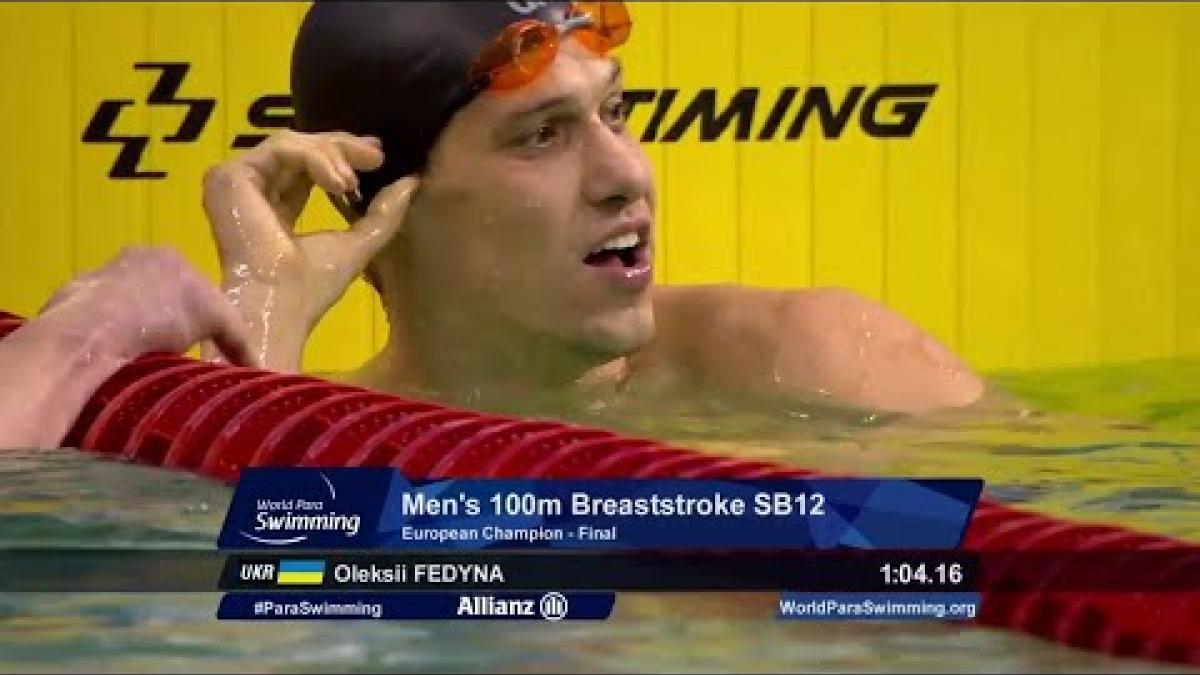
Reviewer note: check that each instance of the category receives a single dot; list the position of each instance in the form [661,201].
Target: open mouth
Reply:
[622,250]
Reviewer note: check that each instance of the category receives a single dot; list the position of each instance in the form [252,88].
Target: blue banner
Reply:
[536,606]
[928,606]
[379,508]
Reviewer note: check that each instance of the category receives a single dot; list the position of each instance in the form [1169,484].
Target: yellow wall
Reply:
[1044,213]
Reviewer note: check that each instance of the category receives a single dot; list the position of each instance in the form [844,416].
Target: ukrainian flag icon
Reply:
[301,572]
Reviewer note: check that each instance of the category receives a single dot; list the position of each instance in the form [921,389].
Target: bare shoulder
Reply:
[711,339]
[822,345]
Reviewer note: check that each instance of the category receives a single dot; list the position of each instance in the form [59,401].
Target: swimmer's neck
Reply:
[454,356]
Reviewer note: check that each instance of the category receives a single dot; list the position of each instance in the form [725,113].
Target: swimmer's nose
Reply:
[616,171]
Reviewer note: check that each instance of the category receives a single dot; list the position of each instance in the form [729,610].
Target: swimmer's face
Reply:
[537,209]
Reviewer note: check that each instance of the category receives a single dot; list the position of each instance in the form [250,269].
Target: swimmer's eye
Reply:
[615,112]
[544,136]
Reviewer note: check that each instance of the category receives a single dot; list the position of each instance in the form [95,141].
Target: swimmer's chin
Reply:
[619,333]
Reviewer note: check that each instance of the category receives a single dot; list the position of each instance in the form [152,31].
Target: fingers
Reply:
[175,305]
[151,299]
[211,353]
[245,224]
[232,339]
[329,159]
[254,198]
[350,154]
[293,153]
[66,291]
[384,217]
[348,180]
[216,319]
[363,153]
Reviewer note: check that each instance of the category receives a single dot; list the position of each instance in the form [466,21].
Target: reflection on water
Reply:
[1116,445]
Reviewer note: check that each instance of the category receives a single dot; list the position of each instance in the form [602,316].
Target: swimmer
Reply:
[502,209]
[146,300]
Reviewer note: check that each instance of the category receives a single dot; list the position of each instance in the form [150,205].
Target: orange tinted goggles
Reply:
[524,50]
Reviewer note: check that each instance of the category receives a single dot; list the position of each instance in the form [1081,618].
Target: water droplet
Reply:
[268,306]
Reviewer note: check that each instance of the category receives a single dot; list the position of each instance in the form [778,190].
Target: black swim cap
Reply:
[395,70]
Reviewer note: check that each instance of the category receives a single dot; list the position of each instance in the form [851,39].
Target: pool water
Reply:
[1115,445]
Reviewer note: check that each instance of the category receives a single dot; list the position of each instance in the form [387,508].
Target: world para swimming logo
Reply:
[292,520]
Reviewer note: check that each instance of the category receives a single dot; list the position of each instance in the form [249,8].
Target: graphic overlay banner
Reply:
[107,570]
[842,570]
[878,606]
[545,606]
[379,508]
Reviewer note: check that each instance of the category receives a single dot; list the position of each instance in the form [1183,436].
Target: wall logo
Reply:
[749,114]
[888,111]
[266,112]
